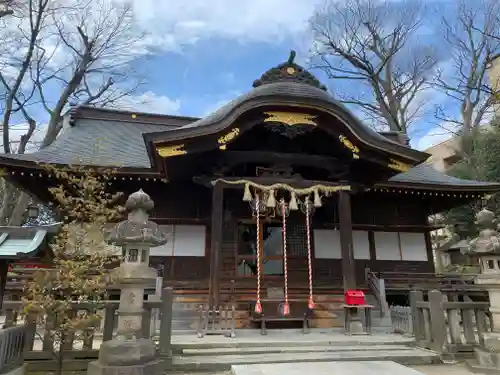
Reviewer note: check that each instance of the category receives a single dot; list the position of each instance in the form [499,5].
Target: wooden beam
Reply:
[347,251]
[317,161]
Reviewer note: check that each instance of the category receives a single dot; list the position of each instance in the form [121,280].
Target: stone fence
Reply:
[447,327]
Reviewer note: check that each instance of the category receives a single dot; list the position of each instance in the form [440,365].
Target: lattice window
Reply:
[296,238]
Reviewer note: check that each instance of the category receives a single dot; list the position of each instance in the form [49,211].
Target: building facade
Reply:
[281,192]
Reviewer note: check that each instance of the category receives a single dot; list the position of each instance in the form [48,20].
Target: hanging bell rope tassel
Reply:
[310,303]
[258,307]
[271,201]
[317,199]
[247,195]
[286,309]
[293,206]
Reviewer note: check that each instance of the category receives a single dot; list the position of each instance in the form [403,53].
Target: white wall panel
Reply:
[413,246]
[183,240]
[326,244]
[361,244]
[387,246]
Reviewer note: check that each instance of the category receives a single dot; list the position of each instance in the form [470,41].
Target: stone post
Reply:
[486,249]
[129,352]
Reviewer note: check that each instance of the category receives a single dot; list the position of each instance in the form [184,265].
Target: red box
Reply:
[354,297]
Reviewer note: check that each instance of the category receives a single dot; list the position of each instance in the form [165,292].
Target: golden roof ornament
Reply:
[289,71]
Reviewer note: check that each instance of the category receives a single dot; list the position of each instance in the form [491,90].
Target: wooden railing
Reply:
[219,320]
[377,286]
[401,319]
[11,348]
[427,281]
[39,345]
[447,327]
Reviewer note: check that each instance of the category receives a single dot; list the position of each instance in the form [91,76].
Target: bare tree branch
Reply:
[474,41]
[82,50]
[372,42]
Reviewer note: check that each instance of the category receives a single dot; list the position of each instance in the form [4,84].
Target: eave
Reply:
[295,96]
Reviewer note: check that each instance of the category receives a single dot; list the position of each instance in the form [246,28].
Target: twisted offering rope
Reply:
[258,305]
[304,191]
[309,253]
[286,307]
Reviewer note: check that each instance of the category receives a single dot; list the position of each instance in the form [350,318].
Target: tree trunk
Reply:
[17,217]
[9,202]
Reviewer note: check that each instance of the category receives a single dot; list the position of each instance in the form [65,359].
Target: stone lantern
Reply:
[129,351]
[486,248]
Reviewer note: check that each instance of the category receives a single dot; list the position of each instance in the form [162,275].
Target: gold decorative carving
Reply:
[290,118]
[398,165]
[228,137]
[290,70]
[169,151]
[349,145]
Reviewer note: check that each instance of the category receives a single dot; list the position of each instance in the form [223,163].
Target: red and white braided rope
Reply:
[286,307]
[309,253]
[258,305]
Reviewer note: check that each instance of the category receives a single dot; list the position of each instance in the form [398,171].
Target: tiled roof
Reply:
[22,242]
[121,144]
[100,143]
[426,174]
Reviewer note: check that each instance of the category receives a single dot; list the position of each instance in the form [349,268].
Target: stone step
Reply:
[286,339]
[286,349]
[406,356]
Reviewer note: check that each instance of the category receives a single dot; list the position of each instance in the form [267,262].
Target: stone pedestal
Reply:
[129,352]
[487,357]
[127,357]
[486,248]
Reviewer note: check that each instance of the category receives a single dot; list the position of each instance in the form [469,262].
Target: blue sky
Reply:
[221,61]
[201,53]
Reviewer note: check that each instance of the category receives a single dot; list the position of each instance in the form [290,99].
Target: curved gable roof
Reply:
[293,94]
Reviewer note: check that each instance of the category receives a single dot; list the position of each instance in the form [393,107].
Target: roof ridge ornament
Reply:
[289,72]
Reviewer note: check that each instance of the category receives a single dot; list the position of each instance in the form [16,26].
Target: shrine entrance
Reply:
[274,255]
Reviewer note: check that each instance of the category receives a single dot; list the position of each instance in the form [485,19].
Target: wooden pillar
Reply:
[345,224]
[215,244]
[4,269]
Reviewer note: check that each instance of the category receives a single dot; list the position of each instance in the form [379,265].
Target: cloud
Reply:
[149,102]
[174,23]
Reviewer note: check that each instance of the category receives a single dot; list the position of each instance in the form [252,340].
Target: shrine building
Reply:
[283,191]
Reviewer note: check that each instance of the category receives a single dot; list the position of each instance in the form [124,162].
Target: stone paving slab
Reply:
[223,362]
[326,368]
[444,369]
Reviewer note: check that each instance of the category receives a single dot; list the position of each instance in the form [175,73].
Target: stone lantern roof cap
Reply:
[128,232]
[139,200]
